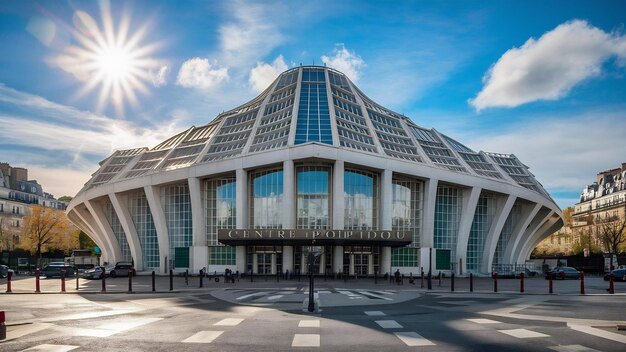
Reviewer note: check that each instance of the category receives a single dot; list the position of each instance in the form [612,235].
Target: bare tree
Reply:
[612,233]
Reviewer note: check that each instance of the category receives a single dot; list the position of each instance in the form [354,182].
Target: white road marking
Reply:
[599,333]
[309,324]
[250,295]
[14,332]
[52,348]
[523,333]
[483,321]
[275,297]
[88,332]
[229,322]
[374,313]
[389,324]
[306,340]
[127,324]
[385,292]
[368,293]
[203,337]
[413,339]
[572,348]
[459,303]
[349,293]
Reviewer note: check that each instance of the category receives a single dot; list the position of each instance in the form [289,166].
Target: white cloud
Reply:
[549,67]
[159,77]
[252,34]
[564,154]
[200,73]
[264,74]
[345,61]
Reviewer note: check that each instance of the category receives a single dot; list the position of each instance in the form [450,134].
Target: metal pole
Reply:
[201,277]
[376,277]
[471,282]
[495,282]
[430,268]
[104,283]
[9,274]
[521,282]
[153,281]
[311,307]
[187,277]
[171,280]
[62,280]
[550,290]
[77,282]
[452,282]
[611,286]
[37,273]
[422,280]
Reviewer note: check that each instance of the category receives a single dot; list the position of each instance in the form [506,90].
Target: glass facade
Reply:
[507,230]
[118,231]
[266,199]
[360,200]
[220,206]
[176,204]
[483,216]
[448,207]
[313,115]
[406,215]
[313,197]
[144,224]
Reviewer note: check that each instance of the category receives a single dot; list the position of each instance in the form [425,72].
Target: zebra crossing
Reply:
[292,295]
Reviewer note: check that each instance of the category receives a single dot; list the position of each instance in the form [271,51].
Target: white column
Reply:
[304,268]
[531,233]
[255,263]
[504,204]
[385,260]
[528,213]
[549,227]
[351,267]
[273,269]
[370,264]
[338,259]
[95,209]
[289,195]
[470,200]
[322,263]
[120,205]
[386,199]
[199,252]
[83,214]
[240,256]
[538,213]
[288,259]
[241,199]
[428,216]
[338,196]
[158,216]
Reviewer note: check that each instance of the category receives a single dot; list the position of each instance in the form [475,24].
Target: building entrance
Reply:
[264,259]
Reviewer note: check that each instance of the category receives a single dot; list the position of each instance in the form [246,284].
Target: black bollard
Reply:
[187,277]
[251,275]
[402,279]
[422,280]
[130,281]
[153,281]
[171,280]
[375,277]
[440,279]
[429,280]
[201,277]
[277,276]
[104,284]
[471,282]
[77,282]
[452,282]
[495,282]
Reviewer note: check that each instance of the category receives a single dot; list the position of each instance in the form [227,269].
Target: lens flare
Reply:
[109,58]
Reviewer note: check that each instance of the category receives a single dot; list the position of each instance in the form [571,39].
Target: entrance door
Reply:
[361,264]
[264,263]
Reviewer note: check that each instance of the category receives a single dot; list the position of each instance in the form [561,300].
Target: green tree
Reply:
[44,229]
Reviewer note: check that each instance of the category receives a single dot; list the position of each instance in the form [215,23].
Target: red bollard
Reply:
[550,290]
[62,280]
[582,282]
[9,274]
[3,326]
[37,290]
[76,281]
[521,282]
[611,287]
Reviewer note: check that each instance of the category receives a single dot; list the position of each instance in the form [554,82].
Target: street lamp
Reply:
[313,253]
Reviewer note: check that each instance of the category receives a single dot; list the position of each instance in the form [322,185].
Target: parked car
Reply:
[96,273]
[563,272]
[123,269]
[54,269]
[5,270]
[618,275]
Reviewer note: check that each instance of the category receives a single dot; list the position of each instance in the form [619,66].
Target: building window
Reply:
[405,257]
[266,199]
[360,200]
[146,231]
[406,215]
[222,255]
[313,123]
[448,207]
[313,189]
[176,204]
[118,231]
[483,217]
[220,206]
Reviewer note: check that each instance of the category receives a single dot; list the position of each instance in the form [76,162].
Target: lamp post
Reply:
[311,298]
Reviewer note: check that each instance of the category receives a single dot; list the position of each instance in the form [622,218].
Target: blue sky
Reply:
[543,80]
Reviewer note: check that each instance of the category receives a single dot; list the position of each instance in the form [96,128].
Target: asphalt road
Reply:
[265,316]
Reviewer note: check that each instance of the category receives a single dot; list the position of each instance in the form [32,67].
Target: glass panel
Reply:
[478,233]
[219,206]
[360,200]
[313,190]
[177,209]
[118,231]
[146,231]
[447,216]
[266,199]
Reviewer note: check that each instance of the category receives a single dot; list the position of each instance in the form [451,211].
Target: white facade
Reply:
[325,157]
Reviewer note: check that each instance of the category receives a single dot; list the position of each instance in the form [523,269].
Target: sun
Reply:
[107,57]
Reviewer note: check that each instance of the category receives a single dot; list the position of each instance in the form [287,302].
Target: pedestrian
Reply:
[397,276]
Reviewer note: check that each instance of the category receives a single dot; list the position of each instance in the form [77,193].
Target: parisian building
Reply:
[17,195]
[603,201]
[312,165]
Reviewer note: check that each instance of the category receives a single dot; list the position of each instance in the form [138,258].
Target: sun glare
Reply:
[109,58]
